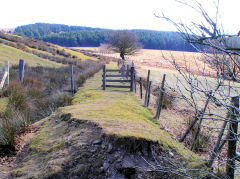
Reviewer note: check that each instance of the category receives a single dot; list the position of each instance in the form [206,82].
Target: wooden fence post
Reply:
[146,94]
[140,82]
[128,71]
[7,69]
[232,142]
[104,78]
[135,84]
[149,93]
[119,63]
[132,79]
[160,99]
[21,70]
[217,149]
[72,79]
[122,70]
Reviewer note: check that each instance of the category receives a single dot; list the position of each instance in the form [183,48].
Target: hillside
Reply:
[14,47]
[93,134]
[104,134]
[72,36]
[45,87]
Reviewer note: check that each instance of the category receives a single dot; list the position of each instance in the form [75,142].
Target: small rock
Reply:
[97,142]
[171,154]
[103,146]
[105,165]
[110,148]
[119,160]
[69,137]
[93,150]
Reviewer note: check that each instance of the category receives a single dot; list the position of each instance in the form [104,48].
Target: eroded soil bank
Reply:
[79,149]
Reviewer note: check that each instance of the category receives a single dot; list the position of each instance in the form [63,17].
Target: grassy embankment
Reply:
[45,83]
[118,113]
[13,55]
[122,114]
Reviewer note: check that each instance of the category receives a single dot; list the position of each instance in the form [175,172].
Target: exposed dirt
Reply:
[89,153]
[8,159]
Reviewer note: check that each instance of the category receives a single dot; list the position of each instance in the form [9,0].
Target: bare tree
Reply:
[209,98]
[124,42]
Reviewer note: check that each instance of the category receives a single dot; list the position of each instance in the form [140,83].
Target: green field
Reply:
[13,55]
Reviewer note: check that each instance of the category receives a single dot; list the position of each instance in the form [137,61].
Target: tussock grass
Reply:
[43,90]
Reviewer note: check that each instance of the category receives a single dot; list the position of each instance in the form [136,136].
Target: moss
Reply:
[86,96]
[17,173]
[82,169]
[37,142]
[56,147]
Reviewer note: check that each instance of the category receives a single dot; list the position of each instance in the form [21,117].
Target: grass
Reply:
[45,158]
[77,54]
[3,104]
[13,55]
[120,113]
[45,140]
[42,92]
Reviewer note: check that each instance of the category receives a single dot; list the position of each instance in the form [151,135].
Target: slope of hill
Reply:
[102,134]
[45,87]
[87,36]
[105,134]
[24,45]
[11,54]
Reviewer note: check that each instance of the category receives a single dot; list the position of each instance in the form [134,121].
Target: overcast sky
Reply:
[114,14]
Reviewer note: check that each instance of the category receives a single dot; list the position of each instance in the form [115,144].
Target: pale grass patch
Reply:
[13,55]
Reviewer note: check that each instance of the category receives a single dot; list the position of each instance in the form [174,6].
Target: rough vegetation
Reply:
[95,134]
[40,49]
[96,141]
[42,91]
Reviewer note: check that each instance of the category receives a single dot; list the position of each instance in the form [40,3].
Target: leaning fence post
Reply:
[21,70]
[135,85]
[132,79]
[160,99]
[104,78]
[232,142]
[149,93]
[146,94]
[72,79]
[140,82]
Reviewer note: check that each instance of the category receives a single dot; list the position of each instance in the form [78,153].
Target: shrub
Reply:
[203,139]
[13,121]
[63,100]
[16,95]
[7,135]
[168,98]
